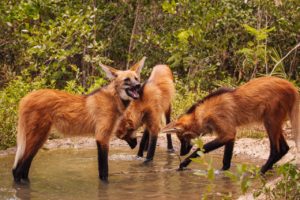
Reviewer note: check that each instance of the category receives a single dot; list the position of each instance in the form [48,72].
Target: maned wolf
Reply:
[268,100]
[150,109]
[95,113]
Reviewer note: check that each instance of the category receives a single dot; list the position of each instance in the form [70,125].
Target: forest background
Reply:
[208,44]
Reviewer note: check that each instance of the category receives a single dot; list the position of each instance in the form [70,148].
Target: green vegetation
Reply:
[9,98]
[287,187]
[208,44]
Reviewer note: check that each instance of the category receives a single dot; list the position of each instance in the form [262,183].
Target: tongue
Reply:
[133,93]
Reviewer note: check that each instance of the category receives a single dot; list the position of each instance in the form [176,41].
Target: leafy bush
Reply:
[213,40]
[287,187]
[9,99]
[184,98]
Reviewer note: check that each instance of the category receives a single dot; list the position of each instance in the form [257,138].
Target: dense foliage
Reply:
[59,43]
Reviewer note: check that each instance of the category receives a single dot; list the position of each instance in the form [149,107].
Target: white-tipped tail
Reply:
[21,144]
[295,120]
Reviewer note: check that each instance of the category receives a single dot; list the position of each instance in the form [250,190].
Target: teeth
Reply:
[133,92]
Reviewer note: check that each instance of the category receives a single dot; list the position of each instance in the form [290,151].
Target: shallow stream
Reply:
[72,174]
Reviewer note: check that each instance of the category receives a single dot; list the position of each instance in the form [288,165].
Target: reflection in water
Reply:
[22,191]
[72,174]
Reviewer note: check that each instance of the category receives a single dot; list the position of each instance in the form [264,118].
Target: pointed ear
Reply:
[111,73]
[171,128]
[137,67]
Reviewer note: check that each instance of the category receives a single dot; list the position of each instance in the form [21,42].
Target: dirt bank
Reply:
[254,148]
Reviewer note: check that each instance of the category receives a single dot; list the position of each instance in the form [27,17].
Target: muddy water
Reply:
[72,174]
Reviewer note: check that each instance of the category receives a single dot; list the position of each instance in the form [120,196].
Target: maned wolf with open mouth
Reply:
[95,113]
[153,105]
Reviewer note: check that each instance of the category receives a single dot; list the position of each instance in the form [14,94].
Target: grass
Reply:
[251,133]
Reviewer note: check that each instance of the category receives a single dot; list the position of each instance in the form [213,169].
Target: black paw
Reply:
[22,181]
[104,179]
[148,160]
[182,168]
[183,164]
[171,150]
[17,180]
[224,168]
[25,180]
[138,157]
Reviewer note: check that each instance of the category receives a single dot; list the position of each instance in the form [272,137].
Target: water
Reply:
[72,174]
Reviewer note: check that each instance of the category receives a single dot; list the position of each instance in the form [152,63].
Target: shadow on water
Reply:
[72,174]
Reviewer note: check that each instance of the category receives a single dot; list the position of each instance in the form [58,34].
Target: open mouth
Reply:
[133,92]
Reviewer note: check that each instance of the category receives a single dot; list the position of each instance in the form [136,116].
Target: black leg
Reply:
[169,138]
[22,170]
[170,145]
[284,147]
[26,167]
[144,141]
[207,148]
[271,160]
[278,145]
[276,155]
[188,160]
[227,155]
[102,161]
[17,173]
[151,149]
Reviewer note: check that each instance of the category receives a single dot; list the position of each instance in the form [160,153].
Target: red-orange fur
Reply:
[46,109]
[267,100]
[151,108]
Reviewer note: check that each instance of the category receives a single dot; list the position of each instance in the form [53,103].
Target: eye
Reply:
[127,79]
[135,78]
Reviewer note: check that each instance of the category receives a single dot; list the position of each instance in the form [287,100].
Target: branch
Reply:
[293,49]
[137,13]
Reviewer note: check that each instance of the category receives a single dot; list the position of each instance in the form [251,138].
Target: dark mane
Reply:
[218,92]
[141,91]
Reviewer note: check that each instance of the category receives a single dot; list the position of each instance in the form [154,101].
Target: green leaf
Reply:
[211,174]
[184,35]
[169,7]
[198,142]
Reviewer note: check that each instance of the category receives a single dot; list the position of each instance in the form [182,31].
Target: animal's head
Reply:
[127,82]
[125,131]
[185,129]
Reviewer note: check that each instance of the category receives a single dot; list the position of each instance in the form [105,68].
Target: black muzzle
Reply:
[132,142]
[185,147]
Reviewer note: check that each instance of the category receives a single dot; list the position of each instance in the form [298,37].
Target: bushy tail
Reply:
[295,120]
[21,143]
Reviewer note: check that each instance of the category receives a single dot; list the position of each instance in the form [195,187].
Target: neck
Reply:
[125,102]
[111,89]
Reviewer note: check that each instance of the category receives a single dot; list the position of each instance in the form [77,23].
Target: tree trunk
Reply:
[133,32]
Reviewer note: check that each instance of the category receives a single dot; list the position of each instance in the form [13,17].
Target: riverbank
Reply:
[250,147]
